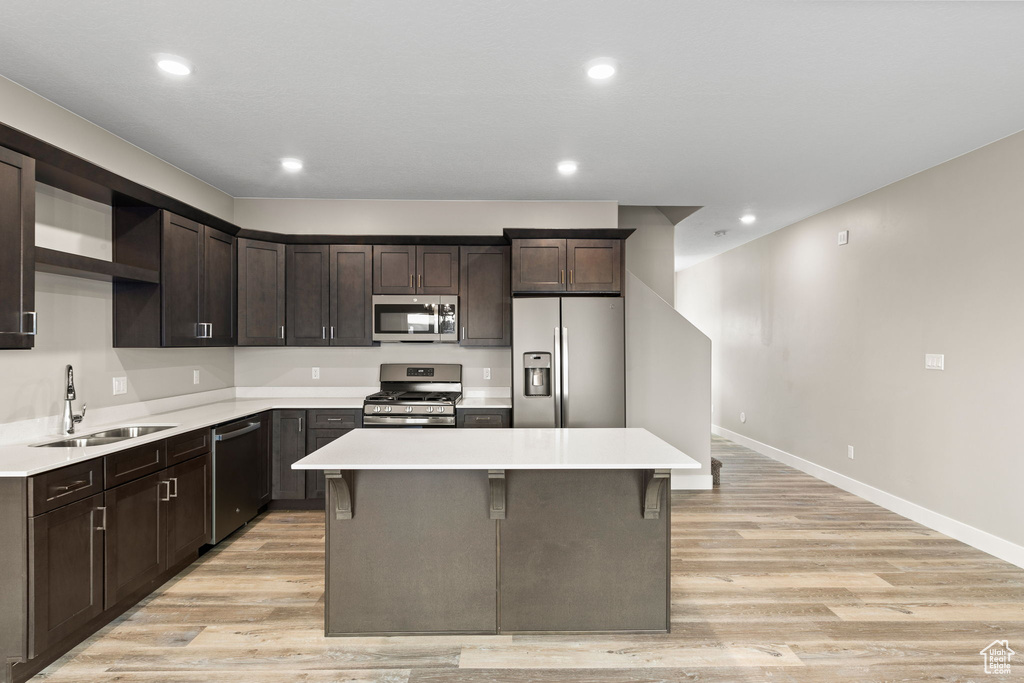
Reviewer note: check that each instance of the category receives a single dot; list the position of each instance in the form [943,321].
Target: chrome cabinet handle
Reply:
[561,277]
[300,424]
[282,332]
[421,281]
[332,331]
[173,480]
[463,333]
[35,324]
[204,330]
[410,280]
[571,280]
[103,524]
[164,499]
[323,332]
[73,486]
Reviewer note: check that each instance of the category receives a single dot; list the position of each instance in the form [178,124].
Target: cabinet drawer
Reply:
[496,418]
[50,490]
[348,418]
[187,446]
[133,463]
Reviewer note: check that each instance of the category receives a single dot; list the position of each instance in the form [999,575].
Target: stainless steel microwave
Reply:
[415,318]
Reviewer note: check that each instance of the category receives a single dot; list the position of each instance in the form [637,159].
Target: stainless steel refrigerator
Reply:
[568,362]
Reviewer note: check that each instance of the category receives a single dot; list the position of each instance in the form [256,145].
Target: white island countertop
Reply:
[497,449]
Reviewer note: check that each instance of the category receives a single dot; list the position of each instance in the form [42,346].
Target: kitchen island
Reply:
[497,530]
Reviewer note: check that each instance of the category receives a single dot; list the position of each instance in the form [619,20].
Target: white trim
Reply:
[690,482]
[965,533]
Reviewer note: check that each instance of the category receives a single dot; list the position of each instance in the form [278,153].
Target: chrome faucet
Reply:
[70,419]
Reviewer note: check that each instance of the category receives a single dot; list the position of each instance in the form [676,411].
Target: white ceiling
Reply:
[780,108]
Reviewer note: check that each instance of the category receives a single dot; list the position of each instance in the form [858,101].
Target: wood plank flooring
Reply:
[776,576]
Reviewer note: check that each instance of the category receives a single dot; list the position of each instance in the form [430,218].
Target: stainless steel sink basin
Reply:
[105,437]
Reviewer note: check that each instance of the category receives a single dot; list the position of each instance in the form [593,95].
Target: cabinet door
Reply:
[65,571]
[134,541]
[437,270]
[309,299]
[316,439]
[394,269]
[181,277]
[219,288]
[538,265]
[264,461]
[289,446]
[261,293]
[485,299]
[594,265]
[189,508]
[17,257]
[351,295]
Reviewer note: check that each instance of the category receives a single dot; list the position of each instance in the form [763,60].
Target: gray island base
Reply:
[566,546]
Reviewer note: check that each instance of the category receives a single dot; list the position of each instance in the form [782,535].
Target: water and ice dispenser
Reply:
[537,369]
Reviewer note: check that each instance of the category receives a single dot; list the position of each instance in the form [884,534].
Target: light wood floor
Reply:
[776,577]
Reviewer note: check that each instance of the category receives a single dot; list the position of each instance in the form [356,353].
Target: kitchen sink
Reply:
[107,436]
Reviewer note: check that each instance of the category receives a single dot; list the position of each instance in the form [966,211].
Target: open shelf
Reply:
[63,263]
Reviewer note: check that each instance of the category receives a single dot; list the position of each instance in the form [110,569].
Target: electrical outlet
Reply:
[934,361]
[849,452]
[487,373]
[120,386]
[316,373]
[844,237]
[195,377]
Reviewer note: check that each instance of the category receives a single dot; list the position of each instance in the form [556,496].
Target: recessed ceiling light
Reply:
[747,219]
[567,167]
[291,164]
[174,64]
[601,68]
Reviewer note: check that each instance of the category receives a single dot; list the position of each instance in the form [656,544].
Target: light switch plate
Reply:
[849,452]
[195,377]
[120,386]
[844,237]
[934,361]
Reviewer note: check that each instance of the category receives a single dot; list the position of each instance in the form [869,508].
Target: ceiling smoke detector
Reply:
[720,233]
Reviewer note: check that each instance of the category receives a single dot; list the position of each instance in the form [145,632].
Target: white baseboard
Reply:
[965,533]
[681,481]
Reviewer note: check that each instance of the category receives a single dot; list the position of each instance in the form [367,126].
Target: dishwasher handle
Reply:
[250,427]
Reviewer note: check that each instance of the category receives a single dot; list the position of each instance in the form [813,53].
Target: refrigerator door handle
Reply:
[557,372]
[565,376]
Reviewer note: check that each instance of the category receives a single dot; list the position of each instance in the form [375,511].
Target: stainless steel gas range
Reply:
[414,396]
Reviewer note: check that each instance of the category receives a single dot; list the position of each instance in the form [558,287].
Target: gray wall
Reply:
[649,250]
[823,346]
[668,379]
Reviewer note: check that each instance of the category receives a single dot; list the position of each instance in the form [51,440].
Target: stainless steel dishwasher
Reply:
[236,449]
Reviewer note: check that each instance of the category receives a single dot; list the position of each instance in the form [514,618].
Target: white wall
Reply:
[668,379]
[650,250]
[823,346]
[381,217]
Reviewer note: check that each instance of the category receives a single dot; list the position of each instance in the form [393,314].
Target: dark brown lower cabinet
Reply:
[318,438]
[264,463]
[65,571]
[289,446]
[189,512]
[494,418]
[134,539]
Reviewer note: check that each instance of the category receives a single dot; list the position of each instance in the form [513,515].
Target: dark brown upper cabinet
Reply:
[17,254]
[194,303]
[351,295]
[485,302]
[329,295]
[308,275]
[420,269]
[594,265]
[567,265]
[538,265]
[261,293]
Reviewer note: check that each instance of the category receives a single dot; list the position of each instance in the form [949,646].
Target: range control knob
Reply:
[440,409]
[408,409]
[387,409]
[430,409]
[376,409]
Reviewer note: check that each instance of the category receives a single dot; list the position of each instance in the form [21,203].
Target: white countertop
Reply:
[497,449]
[21,460]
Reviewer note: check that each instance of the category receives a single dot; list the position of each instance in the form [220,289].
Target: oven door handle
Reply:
[403,421]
